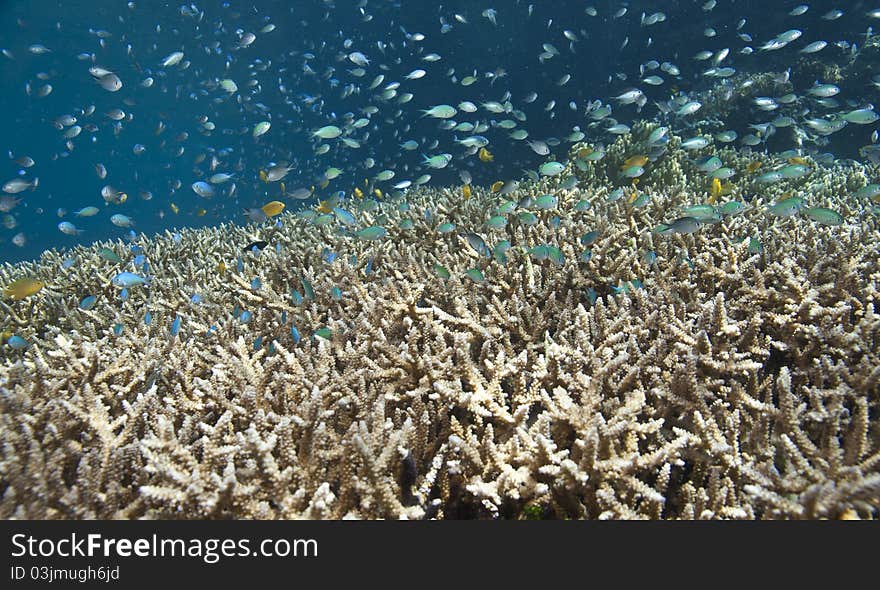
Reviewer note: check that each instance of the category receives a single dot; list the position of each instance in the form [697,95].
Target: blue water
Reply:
[140,35]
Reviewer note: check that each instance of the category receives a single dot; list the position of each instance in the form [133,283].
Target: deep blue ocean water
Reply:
[132,39]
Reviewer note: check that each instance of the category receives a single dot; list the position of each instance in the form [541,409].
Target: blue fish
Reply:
[123,294]
[258,342]
[256,284]
[88,302]
[295,333]
[283,317]
[17,342]
[328,255]
[589,238]
[344,216]
[297,297]
[245,317]
[307,288]
[148,319]
[129,279]
[336,293]
[117,329]
[369,268]
[68,262]
[592,296]
[196,298]
[239,266]
[175,326]
[139,260]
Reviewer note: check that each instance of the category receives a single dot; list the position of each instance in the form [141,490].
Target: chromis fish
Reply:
[545,202]
[87,212]
[823,216]
[548,252]
[109,255]
[682,225]
[88,302]
[445,228]
[373,232]
[476,242]
[441,271]
[499,252]
[344,216]
[261,128]
[326,333]
[731,208]
[787,207]
[16,342]
[175,326]
[551,168]
[476,275]
[129,279]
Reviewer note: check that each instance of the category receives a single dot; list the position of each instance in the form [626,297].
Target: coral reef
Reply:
[727,382]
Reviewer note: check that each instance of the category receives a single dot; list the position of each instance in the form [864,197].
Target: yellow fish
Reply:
[584,152]
[497,186]
[273,208]
[358,193]
[798,160]
[324,183]
[283,188]
[638,160]
[221,268]
[378,193]
[715,191]
[22,288]
[466,191]
[174,208]
[263,176]
[121,198]
[753,166]
[201,212]
[324,207]
[485,155]
[5,336]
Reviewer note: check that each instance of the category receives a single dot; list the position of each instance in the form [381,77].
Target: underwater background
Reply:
[370,259]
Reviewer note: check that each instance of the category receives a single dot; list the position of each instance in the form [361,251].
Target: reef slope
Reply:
[732,382]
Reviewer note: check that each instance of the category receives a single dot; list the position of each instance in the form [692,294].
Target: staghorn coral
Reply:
[735,384]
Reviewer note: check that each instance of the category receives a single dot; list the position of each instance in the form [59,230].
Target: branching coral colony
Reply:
[731,372]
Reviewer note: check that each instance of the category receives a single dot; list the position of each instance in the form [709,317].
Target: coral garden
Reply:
[729,372]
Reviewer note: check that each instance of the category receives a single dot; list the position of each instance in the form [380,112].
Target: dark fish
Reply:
[259,245]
